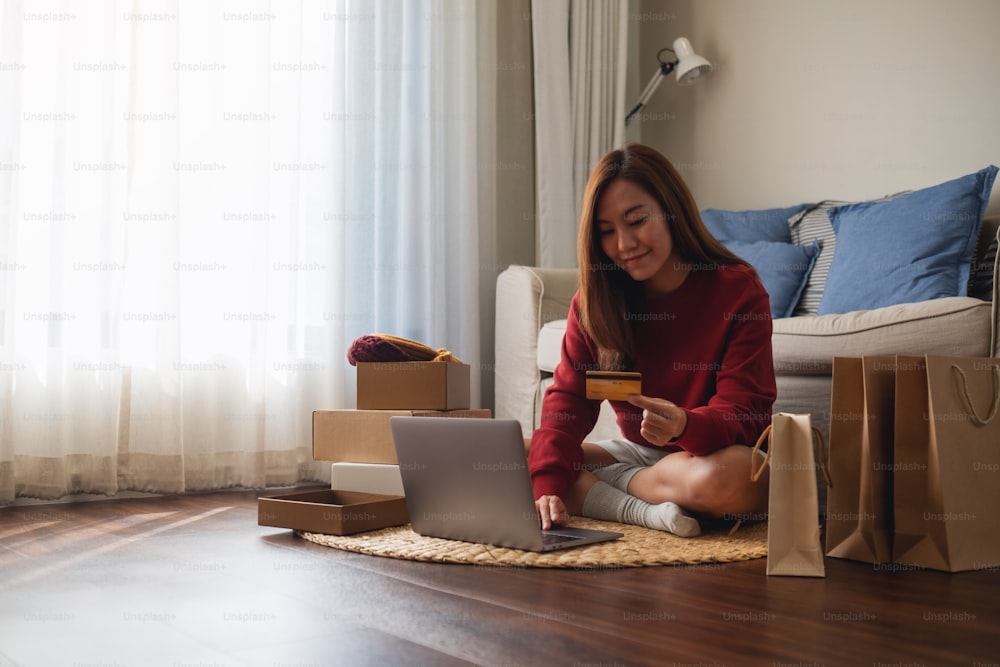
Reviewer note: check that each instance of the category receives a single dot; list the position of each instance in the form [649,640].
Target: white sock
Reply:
[605,502]
[618,475]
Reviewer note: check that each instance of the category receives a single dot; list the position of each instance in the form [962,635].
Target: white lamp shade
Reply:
[690,65]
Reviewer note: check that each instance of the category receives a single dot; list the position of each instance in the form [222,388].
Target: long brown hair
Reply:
[608,293]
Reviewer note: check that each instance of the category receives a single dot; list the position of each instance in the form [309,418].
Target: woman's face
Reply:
[634,234]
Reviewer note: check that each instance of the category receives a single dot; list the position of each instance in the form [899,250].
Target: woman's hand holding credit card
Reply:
[613,385]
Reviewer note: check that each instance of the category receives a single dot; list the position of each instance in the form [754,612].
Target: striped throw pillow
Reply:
[813,224]
[981,274]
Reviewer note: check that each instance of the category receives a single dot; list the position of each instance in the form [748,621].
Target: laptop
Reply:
[467,479]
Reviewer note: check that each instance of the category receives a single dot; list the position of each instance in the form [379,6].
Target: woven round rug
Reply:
[640,547]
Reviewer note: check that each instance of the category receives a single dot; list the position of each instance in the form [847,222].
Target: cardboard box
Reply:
[332,512]
[367,477]
[364,436]
[413,385]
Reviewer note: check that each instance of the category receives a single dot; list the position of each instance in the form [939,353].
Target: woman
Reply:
[658,295]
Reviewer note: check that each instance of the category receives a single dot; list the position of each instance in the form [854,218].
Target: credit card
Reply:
[613,385]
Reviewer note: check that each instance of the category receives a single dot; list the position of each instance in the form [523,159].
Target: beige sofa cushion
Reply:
[806,345]
[530,297]
[959,326]
[550,345]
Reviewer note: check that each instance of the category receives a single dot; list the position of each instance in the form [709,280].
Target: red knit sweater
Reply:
[706,347]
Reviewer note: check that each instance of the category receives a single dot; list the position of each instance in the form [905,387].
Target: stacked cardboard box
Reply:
[359,445]
[359,442]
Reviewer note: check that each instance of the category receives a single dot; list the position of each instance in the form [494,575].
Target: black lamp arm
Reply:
[665,69]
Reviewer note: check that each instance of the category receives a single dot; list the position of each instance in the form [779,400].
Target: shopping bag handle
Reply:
[822,456]
[765,436]
[976,419]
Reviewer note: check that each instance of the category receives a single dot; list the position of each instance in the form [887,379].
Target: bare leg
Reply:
[717,485]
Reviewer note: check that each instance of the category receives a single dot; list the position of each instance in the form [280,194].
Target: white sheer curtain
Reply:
[201,205]
[580,63]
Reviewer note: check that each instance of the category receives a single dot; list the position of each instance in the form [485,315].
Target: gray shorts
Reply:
[626,451]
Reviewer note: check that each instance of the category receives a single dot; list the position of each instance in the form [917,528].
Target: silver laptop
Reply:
[467,479]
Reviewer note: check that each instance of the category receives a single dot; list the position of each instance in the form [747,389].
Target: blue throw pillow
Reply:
[769,224]
[914,248]
[783,268]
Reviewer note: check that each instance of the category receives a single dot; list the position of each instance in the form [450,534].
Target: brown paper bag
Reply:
[859,509]
[794,548]
[947,463]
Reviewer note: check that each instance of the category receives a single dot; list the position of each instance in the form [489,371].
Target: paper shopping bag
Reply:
[794,548]
[914,539]
[859,508]
[947,465]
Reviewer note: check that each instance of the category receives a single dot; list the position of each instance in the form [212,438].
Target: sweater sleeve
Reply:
[745,384]
[556,454]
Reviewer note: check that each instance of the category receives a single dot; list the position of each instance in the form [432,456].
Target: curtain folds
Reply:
[580,66]
[200,208]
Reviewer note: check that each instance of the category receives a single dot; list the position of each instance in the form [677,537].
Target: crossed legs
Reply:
[716,485]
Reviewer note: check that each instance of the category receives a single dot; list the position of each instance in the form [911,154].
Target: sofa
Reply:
[532,302]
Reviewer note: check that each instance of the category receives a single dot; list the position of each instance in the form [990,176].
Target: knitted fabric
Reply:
[388,348]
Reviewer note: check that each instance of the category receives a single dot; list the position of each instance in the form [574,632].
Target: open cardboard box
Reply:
[332,512]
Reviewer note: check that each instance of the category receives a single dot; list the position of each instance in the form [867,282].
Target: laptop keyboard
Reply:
[556,538]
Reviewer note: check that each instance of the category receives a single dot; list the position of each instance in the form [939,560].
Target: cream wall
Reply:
[813,99]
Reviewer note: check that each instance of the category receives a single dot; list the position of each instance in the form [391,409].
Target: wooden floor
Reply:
[194,581]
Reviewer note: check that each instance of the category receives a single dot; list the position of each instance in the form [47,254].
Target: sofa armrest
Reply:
[526,298]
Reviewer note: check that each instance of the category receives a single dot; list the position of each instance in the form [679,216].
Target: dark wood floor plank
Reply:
[749,607]
[194,580]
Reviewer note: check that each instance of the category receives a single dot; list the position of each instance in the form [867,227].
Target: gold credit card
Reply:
[613,385]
